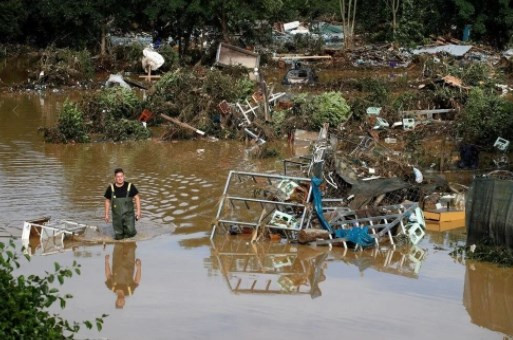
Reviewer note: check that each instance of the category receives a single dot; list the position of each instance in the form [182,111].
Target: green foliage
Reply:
[12,17]
[278,118]
[486,116]
[71,124]
[328,107]
[170,56]
[124,129]
[119,102]
[376,89]
[27,299]
[128,58]
[410,31]
[194,95]
[224,87]
[476,74]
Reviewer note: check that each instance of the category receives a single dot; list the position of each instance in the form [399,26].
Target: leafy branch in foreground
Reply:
[26,300]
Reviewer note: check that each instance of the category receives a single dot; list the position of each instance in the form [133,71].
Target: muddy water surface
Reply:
[228,289]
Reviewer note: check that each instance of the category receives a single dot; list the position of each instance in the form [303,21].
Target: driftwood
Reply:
[310,235]
[182,124]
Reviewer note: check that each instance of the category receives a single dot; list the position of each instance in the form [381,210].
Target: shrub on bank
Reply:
[26,301]
[485,117]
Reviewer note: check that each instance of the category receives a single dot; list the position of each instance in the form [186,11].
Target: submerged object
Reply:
[151,60]
[116,80]
[300,74]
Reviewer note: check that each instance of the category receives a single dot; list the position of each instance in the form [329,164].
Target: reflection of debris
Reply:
[488,296]
[275,268]
[282,268]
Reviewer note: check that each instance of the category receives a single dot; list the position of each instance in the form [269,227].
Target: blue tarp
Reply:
[356,235]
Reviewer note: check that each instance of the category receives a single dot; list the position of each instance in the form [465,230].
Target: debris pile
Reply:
[62,67]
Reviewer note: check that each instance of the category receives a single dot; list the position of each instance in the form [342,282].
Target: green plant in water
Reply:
[27,299]
[71,124]
[485,252]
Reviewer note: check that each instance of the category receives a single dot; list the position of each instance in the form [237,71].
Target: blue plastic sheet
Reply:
[356,235]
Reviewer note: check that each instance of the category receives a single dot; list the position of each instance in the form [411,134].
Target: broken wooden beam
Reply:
[301,57]
[182,124]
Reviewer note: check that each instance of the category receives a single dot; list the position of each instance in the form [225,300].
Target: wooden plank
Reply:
[429,111]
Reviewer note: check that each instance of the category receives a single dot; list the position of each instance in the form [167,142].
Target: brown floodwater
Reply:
[190,288]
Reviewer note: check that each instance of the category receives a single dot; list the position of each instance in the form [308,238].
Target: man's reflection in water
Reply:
[121,280]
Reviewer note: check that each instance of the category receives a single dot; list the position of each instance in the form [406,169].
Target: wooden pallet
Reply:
[443,219]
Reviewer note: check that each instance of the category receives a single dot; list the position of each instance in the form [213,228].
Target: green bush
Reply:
[328,107]
[71,124]
[223,86]
[477,74]
[376,89]
[124,129]
[120,102]
[486,116]
[170,56]
[26,300]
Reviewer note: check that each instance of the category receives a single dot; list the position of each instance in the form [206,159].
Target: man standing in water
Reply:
[120,196]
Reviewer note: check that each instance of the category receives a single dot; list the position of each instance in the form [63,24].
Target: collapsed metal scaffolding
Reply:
[281,211]
[261,211]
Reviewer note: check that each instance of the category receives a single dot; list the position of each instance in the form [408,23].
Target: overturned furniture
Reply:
[51,234]
[284,209]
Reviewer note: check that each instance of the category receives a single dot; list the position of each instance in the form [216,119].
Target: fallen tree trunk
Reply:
[310,235]
[182,124]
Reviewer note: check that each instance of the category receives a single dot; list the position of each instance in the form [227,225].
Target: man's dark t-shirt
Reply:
[121,191]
